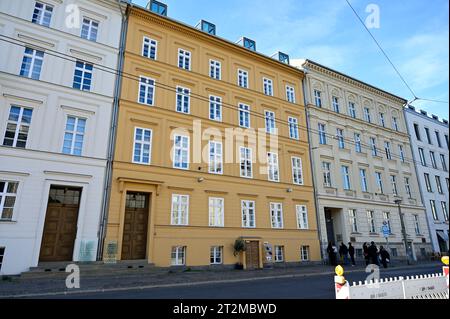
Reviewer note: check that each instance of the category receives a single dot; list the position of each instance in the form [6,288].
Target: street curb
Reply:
[191,284]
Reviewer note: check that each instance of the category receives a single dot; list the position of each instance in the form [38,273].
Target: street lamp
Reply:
[405,236]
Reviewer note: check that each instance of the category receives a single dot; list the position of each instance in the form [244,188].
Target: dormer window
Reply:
[282,57]
[248,44]
[207,27]
[158,7]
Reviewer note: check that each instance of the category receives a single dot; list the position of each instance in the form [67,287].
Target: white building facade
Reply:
[55,116]
[362,165]
[429,139]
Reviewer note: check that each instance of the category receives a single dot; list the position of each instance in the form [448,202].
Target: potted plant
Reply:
[239,247]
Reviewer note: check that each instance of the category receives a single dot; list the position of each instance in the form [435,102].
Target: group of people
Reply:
[372,255]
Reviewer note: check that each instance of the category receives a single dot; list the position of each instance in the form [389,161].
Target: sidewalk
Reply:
[51,285]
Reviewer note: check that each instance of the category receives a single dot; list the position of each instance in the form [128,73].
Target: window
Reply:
[422,157]
[215,69]
[448,184]
[180,210]
[401,153]
[438,138]
[215,157]
[243,78]
[302,217]
[293,128]
[215,108]
[443,162]
[158,8]
[394,252]
[8,193]
[276,215]
[82,78]
[17,127]
[382,121]
[367,117]
[326,167]
[244,115]
[352,110]
[335,102]
[279,254]
[408,187]
[373,146]
[146,90]
[268,86]
[417,131]
[322,134]
[395,124]
[181,152]
[216,212]
[178,256]
[427,132]
[42,14]
[345,177]
[358,148]
[150,48]
[371,220]
[439,185]
[248,214]
[246,161]
[353,220]
[394,185]
[428,182]
[184,59]
[318,98]
[433,159]
[416,224]
[32,63]
[446,140]
[2,254]
[249,44]
[297,171]
[74,135]
[363,175]
[270,122]
[379,179]
[89,30]
[273,170]
[304,253]
[183,100]
[216,255]
[340,138]
[444,210]
[433,209]
[142,146]
[387,219]
[290,94]
[387,150]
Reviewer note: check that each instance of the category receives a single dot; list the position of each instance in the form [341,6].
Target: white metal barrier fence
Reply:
[433,286]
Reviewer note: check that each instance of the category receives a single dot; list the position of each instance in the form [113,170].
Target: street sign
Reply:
[386,230]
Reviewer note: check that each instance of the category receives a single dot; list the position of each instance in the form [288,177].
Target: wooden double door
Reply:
[135,229]
[60,228]
[252,255]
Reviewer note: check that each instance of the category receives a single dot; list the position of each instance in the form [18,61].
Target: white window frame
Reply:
[371,221]
[326,169]
[443,162]
[401,153]
[297,170]
[74,134]
[243,80]
[150,44]
[268,86]
[444,210]
[273,167]
[143,143]
[293,128]
[248,208]
[184,59]
[3,194]
[439,184]
[149,90]
[84,71]
[358,147]
[382,120]
[387,150]
[395,124]
[244,115]
[318,98]
[363,176]
[417,224]
[367,115]
[216,211]
[278,254]
[179,251]
[290,94]
[373,146]
[215,69]
[302,217]
[353,216]
[41,15]
[304,253]
[176,216]
[216,255]
[407,187]
[345,171]
[91,27]
[394,185]
[340,138]
[434,209]
[183,149]
[215,104]
[34,57]
[215,158]
[352,109]
[270,121]
[183,95]
[336,106]
[246,161]
[433,159]
[387,219]
[276,215]
[379,181]
[19,124]
[423,161]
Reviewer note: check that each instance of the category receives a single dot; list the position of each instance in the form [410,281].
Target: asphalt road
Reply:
[311,287]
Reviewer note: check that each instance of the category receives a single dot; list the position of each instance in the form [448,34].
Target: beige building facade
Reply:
[362,165]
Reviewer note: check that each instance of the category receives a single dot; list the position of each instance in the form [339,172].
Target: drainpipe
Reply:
[308,127]
[113,131]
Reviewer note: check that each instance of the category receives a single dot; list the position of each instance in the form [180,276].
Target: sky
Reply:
[414,34]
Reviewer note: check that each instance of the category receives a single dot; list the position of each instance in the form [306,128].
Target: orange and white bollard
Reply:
[445,268]
[342,287]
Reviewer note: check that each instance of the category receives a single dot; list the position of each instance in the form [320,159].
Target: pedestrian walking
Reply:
[343,252]
[351,252]
[373,254]
[385,257]
[331,254]
[366,253]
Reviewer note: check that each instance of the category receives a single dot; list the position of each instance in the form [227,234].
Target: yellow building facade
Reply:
[183,89]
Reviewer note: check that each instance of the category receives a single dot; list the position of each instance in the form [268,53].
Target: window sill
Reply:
[374,235]
[7,221]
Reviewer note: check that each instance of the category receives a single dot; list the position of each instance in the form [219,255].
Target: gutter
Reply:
[113,131]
